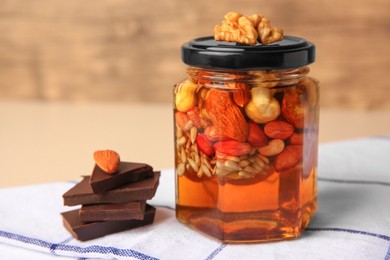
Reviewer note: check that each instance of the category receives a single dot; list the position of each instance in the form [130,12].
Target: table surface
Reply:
[47,142]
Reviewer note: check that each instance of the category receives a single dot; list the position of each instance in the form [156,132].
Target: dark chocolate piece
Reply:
[82,193]
[119,211]
[86,231]
[128,172]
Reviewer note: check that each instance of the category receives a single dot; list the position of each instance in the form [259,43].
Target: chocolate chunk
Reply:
[82,193]
[128,172]
[119,211]
[86,231]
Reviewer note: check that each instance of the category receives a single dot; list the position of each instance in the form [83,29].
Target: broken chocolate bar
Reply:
[118,211]
[86,231]
[82,193]
[128,172]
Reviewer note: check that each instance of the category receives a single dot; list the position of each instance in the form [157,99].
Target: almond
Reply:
[226,116]
[278,129]
[294,107]
[233,148]
[107,160]
[241,93]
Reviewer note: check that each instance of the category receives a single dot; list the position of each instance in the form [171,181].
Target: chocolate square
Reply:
[86,231]
[118,211]
[82,193]
[128,172]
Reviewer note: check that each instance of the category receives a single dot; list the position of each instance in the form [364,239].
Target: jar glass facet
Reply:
[246,152]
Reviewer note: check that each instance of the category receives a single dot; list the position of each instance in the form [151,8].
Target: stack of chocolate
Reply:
[111,202]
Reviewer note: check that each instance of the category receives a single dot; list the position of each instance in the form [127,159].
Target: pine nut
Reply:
[180,169]
[188,125]
[193,165]
[232,165]
[182,140]
[193,134]
[245,174]
[205,170]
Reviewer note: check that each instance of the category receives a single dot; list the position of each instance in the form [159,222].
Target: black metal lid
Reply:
[205,52]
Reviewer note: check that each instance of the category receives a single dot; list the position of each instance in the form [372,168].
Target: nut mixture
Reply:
[247,29]
[240,130]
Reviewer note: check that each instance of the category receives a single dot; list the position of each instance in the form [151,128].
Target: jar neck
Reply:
[273,78]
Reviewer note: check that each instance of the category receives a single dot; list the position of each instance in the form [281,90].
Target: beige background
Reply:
[129,51]
[107,68]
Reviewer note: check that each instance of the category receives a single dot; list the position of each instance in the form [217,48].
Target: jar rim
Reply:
[205,52]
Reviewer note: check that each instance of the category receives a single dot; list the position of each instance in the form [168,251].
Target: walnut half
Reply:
[236,28]
[247,29]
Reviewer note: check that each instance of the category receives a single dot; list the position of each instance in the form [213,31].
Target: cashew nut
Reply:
[185,96]
[263,107]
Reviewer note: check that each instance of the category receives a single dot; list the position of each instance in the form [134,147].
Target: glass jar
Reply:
[246,139]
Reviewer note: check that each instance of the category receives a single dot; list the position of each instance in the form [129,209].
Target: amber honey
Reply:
[271,209]
[246,142]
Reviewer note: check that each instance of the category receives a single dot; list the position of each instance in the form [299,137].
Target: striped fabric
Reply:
[353,220]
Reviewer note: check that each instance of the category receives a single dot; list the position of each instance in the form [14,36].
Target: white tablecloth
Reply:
[352,222]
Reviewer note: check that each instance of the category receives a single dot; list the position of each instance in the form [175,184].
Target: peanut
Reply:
[215,134]
[256,136]
[290,157]
[278,129]
[274,147]
[204,145]
[296,139]
[232,148]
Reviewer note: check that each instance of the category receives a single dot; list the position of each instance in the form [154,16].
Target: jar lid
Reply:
[205,52]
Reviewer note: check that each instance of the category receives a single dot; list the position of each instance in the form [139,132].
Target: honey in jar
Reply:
[246,139]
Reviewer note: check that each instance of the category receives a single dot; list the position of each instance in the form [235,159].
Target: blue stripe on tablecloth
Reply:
[216,252]
[132,253]
[25,239]
[53,247]
[387,256]
[354,181]
[105,250]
